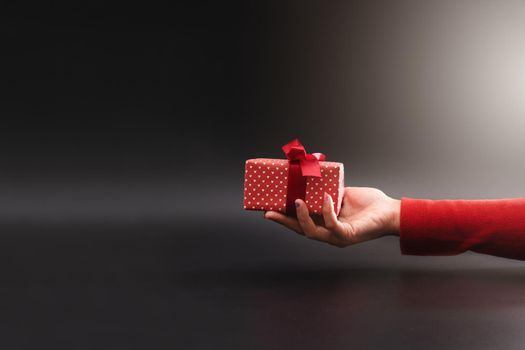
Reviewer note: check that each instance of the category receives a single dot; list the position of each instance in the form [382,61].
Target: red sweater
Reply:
[449,227]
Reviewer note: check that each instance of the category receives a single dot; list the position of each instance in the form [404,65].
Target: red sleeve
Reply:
[450,227]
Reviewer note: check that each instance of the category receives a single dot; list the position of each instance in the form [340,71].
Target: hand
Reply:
[366,213]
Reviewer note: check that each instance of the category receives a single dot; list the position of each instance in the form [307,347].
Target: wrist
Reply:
[395,214]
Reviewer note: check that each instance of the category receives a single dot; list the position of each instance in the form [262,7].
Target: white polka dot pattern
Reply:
[266,180]
[331,182]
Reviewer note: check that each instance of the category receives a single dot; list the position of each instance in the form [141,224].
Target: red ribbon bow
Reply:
[309,163]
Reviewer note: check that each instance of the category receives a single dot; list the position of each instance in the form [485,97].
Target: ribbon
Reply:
[300,165]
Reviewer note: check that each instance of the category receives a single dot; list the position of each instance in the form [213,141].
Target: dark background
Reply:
[123,135]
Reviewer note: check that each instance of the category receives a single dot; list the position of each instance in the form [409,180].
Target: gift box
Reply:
[275,184]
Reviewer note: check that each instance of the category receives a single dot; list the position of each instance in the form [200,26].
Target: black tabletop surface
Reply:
[224,285]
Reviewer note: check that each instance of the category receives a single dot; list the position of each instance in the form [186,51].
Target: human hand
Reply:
[366,213]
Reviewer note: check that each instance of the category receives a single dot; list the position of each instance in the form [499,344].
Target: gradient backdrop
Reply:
[123,136]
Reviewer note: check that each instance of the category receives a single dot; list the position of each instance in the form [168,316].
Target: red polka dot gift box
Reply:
[274,184]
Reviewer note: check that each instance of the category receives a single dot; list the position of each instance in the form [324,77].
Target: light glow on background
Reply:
[428,98]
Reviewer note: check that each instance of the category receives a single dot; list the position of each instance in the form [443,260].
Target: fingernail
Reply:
[297,203]
[326,197]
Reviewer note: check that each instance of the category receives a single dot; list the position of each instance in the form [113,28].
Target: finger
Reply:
[284,220]
[308,226]
[330,218]
[331,221]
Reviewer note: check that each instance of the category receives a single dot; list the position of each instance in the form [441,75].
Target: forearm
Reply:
[449,227]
